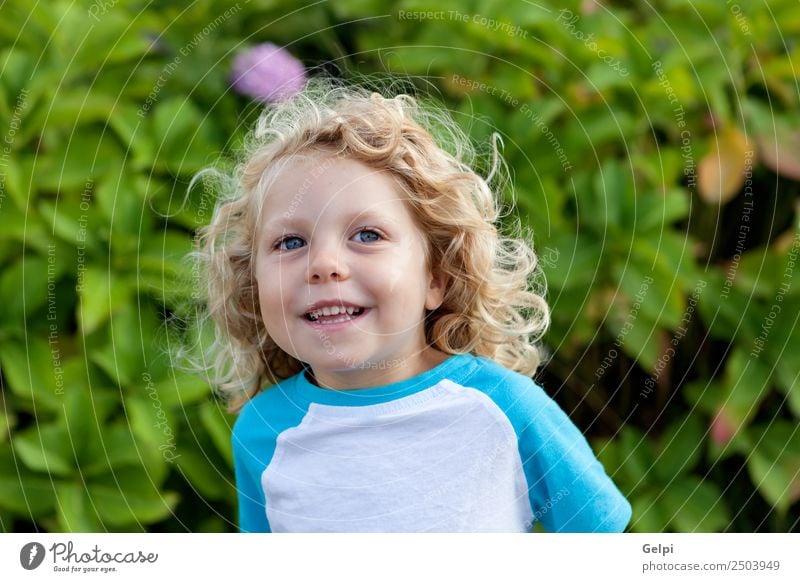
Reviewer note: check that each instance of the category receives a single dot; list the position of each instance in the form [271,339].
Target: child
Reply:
[358,269]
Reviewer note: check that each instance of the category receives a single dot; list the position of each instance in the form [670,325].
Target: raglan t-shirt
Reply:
[467,446]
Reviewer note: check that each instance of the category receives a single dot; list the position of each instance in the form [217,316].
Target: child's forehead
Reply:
[316,173]
[309,184]
[318,163]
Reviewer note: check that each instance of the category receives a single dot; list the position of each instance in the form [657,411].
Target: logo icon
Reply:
[31,555]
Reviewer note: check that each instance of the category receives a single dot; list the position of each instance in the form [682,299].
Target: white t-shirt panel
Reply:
[442,460]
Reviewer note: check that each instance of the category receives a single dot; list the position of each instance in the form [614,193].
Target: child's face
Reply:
[336,231]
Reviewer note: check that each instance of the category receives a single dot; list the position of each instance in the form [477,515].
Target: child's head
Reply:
[335,233]
[345,199]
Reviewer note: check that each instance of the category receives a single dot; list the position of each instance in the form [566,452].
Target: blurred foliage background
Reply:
[655,151]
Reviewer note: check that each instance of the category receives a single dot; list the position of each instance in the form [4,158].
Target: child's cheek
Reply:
[398,266]
[393,277]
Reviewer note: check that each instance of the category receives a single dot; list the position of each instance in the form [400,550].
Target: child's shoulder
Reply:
[501,383]
[524,402]
[271,407]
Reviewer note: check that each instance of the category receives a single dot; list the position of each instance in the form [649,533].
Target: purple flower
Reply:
[268,73]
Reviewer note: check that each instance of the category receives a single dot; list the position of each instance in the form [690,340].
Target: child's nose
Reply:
[327,264]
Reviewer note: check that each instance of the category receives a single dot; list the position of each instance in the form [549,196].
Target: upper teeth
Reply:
[334,310]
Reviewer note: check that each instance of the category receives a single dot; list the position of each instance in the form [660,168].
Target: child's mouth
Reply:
[321,319]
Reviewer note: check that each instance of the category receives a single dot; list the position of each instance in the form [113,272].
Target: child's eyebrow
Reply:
[280,224]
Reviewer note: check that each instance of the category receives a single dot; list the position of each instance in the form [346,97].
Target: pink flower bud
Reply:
[722,428]
[268,73]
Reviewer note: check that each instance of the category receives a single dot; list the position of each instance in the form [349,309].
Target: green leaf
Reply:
[759,272]
[119,449]
[629,458]
[665,300]
[7,422]
[655,212]
[570,262]
[80,420]
[76,512]
[726,313]
[171,291]
[17,66]
[639,288]
[650,513]
[20,225]
[71,107]
[604,206]
[679,448]
[87,406]
[597,128]
[219,426]
[130,498]
[774,464]
[45,448]
[120,198]
[746,382]
[32,373]
[779,348]
[133,342]
[696,505]
[23,288]
[166,253]
[68,166]
[181,389]
[639,336]
[22,492]
[164,270]
[102,295]
[184,142]
[70,223]
[575,319]
[112,37]
[204,475]
[129,127]
[154,426]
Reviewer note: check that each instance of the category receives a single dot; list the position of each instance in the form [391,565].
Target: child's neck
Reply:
[365,377]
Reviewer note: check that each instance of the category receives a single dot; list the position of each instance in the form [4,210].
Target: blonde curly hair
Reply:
[493,304]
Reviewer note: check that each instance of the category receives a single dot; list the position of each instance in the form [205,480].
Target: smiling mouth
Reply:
[320,317]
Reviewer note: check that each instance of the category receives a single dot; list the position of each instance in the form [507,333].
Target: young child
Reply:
[378,336]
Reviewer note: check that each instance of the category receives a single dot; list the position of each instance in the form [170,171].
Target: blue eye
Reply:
[370,234]
[289,243]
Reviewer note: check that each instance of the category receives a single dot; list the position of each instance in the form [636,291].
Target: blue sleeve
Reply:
[252,505]
[568,488]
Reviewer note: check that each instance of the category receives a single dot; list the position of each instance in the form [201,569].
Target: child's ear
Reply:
[437,285]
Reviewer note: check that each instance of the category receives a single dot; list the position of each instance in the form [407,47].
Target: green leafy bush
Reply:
[654,153]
